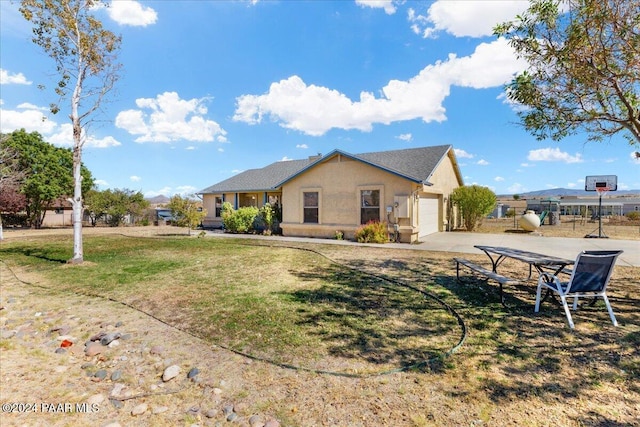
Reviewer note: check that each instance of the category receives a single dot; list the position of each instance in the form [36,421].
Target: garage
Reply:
[428,214]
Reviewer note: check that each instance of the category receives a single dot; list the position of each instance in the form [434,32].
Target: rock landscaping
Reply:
[69,363]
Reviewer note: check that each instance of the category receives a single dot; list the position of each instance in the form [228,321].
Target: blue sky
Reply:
[212,88]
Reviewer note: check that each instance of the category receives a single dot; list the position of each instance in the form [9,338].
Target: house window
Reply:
[218,207]
[59,211]
[310,207]
[369,206]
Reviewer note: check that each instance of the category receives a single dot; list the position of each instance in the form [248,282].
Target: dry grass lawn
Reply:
[515,367]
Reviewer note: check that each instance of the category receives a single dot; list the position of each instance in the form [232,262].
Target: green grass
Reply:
[287,305]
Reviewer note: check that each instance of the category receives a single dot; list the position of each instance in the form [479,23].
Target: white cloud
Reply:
[498,179]
[516,188]
[405,137]
[285,159]
[170,119]
[31,119]
[571,185]
[190,148]
[135,178]
[389,6]
[482,162]
[16,79]
[464,18]
[303,146]
[63,137]
[553,155]
[129,12]
[462,154]
[101,183]
[314,110]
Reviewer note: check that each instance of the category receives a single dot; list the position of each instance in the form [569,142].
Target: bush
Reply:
[238,221]
[474,202]
[373,232]
[267,214]
[633,216]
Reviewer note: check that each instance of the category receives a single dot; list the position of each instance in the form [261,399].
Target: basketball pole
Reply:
[600,214]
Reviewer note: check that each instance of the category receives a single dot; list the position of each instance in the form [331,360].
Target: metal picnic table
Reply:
[497,254]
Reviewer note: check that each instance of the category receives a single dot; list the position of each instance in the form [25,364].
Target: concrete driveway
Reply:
[563,247]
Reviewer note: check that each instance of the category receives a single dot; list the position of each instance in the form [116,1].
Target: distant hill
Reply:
[158,200]
[559,192]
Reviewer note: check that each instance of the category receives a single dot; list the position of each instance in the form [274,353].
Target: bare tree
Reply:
[85,55]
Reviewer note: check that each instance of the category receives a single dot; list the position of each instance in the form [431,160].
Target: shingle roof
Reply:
[415,164]
[263,179]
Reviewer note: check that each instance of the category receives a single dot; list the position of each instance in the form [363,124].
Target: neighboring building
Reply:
[409,189]
[588,206]
[60,214]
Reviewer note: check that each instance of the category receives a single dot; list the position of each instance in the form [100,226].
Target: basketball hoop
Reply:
[602,190]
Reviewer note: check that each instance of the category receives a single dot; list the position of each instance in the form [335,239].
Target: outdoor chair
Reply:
[589,278]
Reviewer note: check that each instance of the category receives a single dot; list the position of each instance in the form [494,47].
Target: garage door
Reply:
[428,215]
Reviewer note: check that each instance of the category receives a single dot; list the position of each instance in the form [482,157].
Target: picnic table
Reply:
[540,262]
[497,254]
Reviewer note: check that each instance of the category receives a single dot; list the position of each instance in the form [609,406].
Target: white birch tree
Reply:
[85,55]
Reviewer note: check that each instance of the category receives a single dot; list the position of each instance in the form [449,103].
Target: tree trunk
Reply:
[76,202]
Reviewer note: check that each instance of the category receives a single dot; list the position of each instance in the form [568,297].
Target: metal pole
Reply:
[600,215]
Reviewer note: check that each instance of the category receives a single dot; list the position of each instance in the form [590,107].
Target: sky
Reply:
[209,89]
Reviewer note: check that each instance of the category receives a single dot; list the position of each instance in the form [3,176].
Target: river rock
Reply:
[93,349]
[193,372]
[139,409]
[170,373]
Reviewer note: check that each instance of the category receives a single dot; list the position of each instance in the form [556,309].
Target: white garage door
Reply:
[428,214]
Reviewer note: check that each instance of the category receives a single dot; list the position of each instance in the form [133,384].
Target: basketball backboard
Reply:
[595,182]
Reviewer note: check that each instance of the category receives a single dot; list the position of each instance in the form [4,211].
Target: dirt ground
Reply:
[49,388]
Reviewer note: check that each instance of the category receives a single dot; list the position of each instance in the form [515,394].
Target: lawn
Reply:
[365,312]
[283,304]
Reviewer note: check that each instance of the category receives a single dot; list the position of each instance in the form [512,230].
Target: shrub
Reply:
[238,221]
[373,232]
[475,202]
[633,216]
[267,214]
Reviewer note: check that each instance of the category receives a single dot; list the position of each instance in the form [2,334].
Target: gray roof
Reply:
[415,164]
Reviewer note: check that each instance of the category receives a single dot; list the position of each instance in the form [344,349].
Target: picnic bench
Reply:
[498,254]
[502,280]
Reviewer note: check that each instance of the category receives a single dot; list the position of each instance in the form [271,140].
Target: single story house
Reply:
[409,189]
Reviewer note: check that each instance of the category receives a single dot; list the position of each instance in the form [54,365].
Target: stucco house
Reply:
[409,189]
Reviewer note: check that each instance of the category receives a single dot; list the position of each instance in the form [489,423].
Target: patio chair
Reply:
[590,277]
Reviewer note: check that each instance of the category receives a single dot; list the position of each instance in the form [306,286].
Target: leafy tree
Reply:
[186,212]
[96,204]
[46,170]
[114,205]
[85,55]
[474,202]
[584,67]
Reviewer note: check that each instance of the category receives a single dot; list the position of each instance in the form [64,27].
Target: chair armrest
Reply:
[550,280]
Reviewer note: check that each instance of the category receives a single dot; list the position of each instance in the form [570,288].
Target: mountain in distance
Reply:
[560,192]
[158,200]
